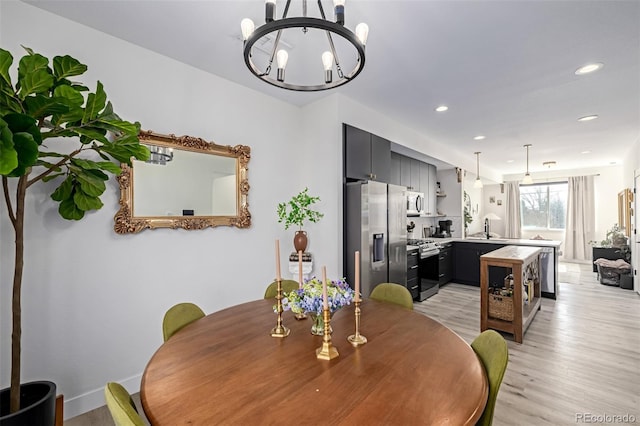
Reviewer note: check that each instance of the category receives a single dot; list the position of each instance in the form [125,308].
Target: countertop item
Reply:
[506,241]
[227,369]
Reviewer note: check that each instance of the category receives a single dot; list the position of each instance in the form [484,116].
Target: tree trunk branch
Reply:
[50,169]
[16,309]
[7,200]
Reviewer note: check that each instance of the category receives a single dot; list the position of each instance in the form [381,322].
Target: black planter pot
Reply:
[37,405]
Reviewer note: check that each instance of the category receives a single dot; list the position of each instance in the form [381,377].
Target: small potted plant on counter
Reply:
[296,212]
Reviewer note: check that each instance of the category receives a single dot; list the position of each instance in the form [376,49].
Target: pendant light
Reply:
[478,182]
[527,177]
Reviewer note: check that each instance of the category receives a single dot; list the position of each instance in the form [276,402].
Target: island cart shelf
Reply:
[510,311]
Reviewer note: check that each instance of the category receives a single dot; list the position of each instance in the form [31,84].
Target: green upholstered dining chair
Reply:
[178,316]
[121,406]
[287,287]
[393,293]
[492,350]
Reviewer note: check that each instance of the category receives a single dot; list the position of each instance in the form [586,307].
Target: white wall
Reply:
[93,301]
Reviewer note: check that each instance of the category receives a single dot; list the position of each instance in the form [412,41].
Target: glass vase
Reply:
[317,324]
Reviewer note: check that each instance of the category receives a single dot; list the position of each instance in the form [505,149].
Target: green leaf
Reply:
[117,126]
[90,182]
[95,103]
[52,177]
[27,150]
[41,106]
[34,75]
[86,202]
[8,104]
[23,123]
[48,165]
[44,154]
[64,190]
[69,210]
[71,96]
[8,153]
[91,134]
[58,133]
[66,66]
[5,62]
[110,167]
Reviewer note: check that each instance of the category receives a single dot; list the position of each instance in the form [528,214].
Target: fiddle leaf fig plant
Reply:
[37,111]
[297,210]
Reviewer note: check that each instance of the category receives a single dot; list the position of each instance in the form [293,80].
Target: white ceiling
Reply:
[504,68]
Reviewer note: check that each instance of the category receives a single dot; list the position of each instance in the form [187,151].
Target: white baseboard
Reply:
[91,400]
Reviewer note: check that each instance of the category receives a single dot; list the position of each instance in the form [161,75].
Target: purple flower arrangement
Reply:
[308,299]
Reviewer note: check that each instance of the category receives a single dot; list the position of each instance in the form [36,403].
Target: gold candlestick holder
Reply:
[327,351]
[357,339]
[279,330]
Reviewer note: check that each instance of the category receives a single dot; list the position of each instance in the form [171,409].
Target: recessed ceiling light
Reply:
[509,161]
[442,108]
[613,162]
[586,69]
[479,138]
[588,117]
[585,152]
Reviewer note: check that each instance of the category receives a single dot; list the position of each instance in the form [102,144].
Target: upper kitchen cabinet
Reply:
[428,187]
[395,168]
[367,156]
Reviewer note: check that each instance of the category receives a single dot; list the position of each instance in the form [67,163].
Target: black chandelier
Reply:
[254,37]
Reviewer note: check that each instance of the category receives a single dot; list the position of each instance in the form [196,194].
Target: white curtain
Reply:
[512,223]
[580,218]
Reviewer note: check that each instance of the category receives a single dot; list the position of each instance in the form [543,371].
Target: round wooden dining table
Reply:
[226,369]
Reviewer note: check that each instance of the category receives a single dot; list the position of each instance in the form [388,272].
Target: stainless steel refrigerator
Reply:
[376,225]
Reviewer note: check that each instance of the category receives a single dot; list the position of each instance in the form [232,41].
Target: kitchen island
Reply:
[467,252]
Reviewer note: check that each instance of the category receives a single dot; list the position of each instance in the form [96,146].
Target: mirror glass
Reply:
[187,183]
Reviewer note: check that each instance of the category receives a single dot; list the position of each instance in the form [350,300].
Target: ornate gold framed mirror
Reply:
[187,183]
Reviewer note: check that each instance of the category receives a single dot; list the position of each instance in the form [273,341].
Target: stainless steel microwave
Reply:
[415,203]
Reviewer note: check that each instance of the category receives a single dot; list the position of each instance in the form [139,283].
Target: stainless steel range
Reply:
[428,266]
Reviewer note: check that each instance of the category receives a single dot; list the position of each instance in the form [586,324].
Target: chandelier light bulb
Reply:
[247,26]
[281,57]
[362,32]
[327,63]
[327,60]
[269,10]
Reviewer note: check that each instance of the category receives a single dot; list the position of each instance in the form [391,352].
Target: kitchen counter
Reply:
[505,241]
[467,252]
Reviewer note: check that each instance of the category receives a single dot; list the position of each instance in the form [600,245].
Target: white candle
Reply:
[300,268]
[357,283]
[325,298]
[278,276]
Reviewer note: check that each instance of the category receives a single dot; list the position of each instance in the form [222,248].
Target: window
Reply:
[543,206]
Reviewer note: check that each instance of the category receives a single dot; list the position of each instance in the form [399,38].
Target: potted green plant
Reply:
[296,212]
[40,108]
[614,237]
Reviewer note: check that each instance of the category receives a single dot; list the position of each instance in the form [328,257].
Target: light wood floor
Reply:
[579,357]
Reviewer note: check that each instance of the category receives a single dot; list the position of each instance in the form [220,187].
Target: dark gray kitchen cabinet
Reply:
[466,262]
[410,173]
[413,279]
[394,178]
[367,156]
